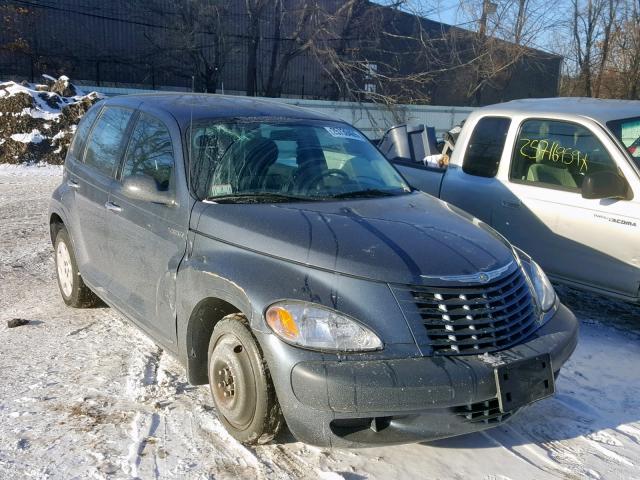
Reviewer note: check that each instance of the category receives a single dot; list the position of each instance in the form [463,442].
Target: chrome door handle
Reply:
[73,184]
[112,207]
[511,203]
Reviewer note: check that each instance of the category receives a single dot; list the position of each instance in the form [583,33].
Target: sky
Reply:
[460,13]
[447,12]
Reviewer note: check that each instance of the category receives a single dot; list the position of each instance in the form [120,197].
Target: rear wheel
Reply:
[72,288]
[240,383]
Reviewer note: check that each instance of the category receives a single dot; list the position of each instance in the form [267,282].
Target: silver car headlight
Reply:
[313,326]
[544,291]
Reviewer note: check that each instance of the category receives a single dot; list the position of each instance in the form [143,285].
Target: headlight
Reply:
[312,326]
[544,291]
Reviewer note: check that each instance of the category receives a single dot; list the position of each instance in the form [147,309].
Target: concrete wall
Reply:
[371,118]
[374,119]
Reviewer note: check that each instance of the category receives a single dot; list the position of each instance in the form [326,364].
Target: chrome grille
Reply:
[477,318]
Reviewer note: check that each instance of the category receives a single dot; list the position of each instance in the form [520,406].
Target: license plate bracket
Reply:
[524,381]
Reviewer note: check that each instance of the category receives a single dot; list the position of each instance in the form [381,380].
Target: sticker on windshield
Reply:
[221,189]
[340,132]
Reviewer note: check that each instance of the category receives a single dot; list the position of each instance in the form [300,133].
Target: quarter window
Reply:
[557,154]
[83,130]
[105,145]
[150,152]
[486,146]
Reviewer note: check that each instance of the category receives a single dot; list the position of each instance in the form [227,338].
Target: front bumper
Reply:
[354,403]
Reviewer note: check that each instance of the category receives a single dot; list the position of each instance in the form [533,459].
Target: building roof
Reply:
[185,107]
[598,109]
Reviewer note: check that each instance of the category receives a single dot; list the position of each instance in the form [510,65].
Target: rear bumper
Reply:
[380,402]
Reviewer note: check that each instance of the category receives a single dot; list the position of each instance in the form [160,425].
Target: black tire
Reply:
[240,382]
[79,295]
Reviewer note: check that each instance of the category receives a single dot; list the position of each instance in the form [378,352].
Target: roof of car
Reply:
[187,106]
[601,110]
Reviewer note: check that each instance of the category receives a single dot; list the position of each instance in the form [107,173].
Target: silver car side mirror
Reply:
[144,188]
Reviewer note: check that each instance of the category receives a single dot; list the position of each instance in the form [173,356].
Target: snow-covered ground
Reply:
[85,395]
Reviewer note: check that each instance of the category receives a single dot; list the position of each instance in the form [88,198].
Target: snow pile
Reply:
[37,121]
[33,137]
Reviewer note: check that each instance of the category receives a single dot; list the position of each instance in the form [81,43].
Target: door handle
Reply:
[112,207]
[511,203]
[73,184]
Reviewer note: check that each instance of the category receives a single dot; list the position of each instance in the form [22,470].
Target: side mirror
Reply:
[144,188]
[605,185]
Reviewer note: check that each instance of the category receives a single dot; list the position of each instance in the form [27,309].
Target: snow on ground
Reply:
[31,170]
[85,395]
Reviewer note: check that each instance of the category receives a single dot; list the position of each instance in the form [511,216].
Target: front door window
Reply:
[558,155]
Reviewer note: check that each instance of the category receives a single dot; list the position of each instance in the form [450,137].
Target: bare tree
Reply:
[299,41]
[620,72]
[374,54]
[255,11]
[585,26]
[13,19]
[299,28]
[352,22]
[508,34]
[608,24]
[18,35]
[629,52]
[197,30]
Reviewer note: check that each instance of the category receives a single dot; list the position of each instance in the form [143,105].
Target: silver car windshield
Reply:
[627,130]
[256,161]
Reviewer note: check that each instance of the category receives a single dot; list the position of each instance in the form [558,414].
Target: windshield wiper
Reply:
[368,193]
[258,197]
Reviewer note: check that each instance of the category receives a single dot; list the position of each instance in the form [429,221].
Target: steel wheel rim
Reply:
[232,382]
[65,270]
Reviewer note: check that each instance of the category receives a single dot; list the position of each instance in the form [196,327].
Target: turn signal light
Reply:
[281,321]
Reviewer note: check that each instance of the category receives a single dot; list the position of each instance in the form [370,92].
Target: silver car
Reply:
[559,178]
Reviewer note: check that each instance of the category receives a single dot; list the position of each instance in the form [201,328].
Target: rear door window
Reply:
[150,152]
[485,147]
[558,155]
[627,131]
[104,147]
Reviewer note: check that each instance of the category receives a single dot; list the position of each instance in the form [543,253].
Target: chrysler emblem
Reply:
[480,277]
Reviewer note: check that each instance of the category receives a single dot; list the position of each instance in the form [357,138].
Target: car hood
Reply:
[409,239]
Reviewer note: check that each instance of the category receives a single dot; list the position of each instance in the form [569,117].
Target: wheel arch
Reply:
[55,225]
[203,319]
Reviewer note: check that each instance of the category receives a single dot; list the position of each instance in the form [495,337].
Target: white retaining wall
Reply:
[372,119]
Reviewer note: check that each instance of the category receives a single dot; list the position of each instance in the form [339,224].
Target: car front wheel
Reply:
[240,383]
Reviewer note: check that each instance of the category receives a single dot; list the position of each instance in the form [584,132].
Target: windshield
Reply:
[257,161]
[627,130]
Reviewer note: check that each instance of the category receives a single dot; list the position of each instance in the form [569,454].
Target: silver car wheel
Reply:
[65,270]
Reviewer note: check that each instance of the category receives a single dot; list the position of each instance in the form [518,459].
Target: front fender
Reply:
[250,282]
